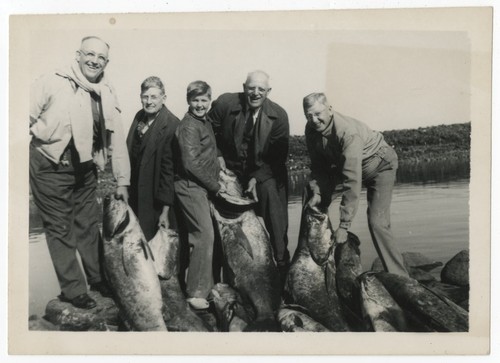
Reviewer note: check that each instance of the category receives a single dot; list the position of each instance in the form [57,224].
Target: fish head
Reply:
[116,216]
[319,227]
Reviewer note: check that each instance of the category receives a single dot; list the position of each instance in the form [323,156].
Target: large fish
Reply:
[129,268]
[427,307]
[233,192]
[380,311]
[292,319]
[232,314]
[348,269]
[249,266]
[176,312]
[313,285]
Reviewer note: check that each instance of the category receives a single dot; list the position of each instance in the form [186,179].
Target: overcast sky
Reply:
[390,79]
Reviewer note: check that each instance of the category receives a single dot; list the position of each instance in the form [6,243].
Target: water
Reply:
[429,214]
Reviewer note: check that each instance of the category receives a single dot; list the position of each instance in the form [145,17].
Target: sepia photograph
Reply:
[273,177]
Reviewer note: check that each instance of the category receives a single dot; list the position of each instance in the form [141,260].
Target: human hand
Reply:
[122,193]
[341,235]
[252,189]
[163,220]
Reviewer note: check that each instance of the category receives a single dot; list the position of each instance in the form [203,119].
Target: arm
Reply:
[165,192]
[119,158]
[352,152]
[189,145]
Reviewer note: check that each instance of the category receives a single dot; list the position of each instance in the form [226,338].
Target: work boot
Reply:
[82,301]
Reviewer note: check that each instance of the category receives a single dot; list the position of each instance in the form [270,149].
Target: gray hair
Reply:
[94,37]
[312,98]
[151,82]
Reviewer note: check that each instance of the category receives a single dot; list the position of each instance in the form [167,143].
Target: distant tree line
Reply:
[442,142]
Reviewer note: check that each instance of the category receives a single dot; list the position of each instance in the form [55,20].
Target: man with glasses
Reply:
[74,122]
[149,145]
[252,134]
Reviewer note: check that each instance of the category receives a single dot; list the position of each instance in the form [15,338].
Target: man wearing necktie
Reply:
[149,144]
[74,122]
[252,134]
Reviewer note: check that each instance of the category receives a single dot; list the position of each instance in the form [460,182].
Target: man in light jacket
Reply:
[345,151]
[74,122]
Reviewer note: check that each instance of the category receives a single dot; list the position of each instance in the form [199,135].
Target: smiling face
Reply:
[199,105]
[256,89]
[152,100]
[92,58]
[319,116]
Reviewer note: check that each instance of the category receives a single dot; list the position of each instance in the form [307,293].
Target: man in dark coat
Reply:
[152,164]
[252,134]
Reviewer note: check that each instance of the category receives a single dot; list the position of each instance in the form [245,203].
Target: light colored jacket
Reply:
[337,156]
[54,103]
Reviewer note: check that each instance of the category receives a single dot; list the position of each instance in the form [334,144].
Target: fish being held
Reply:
[129,268]
[232,192]
[176,312]
[313,285]
[249,266]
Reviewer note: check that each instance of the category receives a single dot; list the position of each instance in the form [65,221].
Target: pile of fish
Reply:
[325,290]
[327,282]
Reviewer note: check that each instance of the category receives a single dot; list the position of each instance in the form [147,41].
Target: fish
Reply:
[176,311]
[129,268]
[458,294]
[249,266]
[313,285]
[456,270]
[319,230]
[232,314]
[292,319]
[380,311]
[233,192]
[348,266]
[433,310]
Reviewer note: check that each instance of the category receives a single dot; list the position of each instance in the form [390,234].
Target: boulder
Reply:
[456,270]
[40,324]
[69,318]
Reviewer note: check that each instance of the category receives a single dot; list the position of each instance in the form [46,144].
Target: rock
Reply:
[69,318]
[456,270]
[417,265]
[40,324]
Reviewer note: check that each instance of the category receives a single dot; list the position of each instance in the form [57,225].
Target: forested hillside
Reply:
[443,142]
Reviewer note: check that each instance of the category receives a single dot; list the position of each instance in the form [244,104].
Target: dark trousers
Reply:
[273,209]
[66,198]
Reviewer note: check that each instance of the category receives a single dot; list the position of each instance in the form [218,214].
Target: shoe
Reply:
[82,301]
[102,288]
[198,303]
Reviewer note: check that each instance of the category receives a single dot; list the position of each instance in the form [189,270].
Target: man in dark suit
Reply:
[252,134]
[149,144]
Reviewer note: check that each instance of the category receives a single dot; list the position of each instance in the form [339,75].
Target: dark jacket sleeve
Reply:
[273,163]
[188,136]
[215,116]
[165,194]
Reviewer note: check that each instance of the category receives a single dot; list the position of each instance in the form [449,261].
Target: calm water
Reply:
[429,214]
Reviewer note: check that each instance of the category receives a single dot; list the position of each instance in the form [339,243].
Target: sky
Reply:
[390,79]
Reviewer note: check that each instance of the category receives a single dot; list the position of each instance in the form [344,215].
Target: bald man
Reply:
[252,135]
[74,121]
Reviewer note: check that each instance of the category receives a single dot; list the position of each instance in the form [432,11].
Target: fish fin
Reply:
[243,241]
[124,265]
[147,250]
